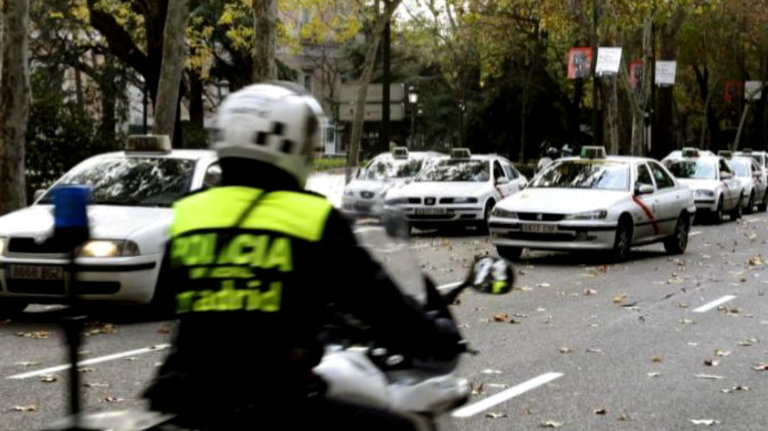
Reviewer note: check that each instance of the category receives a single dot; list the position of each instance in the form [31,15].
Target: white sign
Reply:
[373,112]
[753,90]
[608,61]
[665,72]
[374,93]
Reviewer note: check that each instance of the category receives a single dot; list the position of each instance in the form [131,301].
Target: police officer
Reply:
[255,265]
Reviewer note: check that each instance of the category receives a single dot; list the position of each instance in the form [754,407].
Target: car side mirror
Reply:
[643,189]
[38,194]
[725,175]
[502,180]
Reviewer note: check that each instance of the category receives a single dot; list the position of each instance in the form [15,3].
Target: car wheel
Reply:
[736,212]
[717,216]
[751,204]
[511,253]
[482,227]
[678,242]
[622,244]
[10,309]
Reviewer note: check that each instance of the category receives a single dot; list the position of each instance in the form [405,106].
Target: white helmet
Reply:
[274,123]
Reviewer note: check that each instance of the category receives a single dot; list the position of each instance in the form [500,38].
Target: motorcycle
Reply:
[354,368]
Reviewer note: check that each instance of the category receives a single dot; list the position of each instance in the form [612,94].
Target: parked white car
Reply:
[129,213]
[761,157]
[458,190]
[716,189]
[753,181]
[595,203]
[366,193]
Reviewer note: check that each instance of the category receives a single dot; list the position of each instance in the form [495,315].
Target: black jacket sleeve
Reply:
[360,286]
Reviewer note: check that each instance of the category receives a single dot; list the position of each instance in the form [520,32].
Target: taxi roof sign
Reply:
[148,143]
[400,152]
[725,154]
[690,152]
[461,153]
[747,150]
[593,152]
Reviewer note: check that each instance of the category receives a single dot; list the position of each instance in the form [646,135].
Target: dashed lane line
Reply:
[506,395]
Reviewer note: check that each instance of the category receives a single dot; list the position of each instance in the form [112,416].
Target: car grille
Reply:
[30,245]
[452,200]
[431,217]
[544,216]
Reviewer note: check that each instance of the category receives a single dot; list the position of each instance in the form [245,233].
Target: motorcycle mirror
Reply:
[488,275]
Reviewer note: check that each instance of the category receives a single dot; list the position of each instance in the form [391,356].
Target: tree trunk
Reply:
[611,115]
[370,60]
[196,109]
[14,104]
[265,37]
[171,69]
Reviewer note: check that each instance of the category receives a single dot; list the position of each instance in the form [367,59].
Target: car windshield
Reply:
[741,167]
[384,169]
[585,174]
[693,169]
[457,170]
[134,181]
[758,158]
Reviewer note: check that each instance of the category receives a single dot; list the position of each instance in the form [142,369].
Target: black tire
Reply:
[678,242]
[717,216]
[507,252]
[751,204]
[11,308]
[622,243]
[482,227]
[736,212]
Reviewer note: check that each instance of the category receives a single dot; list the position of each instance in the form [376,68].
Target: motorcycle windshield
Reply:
[387,240]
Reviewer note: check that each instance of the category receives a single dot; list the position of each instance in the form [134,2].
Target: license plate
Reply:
[431,211]
[540,228]
[33,272]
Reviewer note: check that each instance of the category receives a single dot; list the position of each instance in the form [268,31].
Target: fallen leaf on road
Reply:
[34,334]
[654,374]
[165,329]
[748,342]
[762,366]
[495,415]
[600,412]
[566,350]
[113,400]
[550,424]
[603,268]
[707,422]
[594,351]
[96,385]
[590,292]
[693,344]
[501,317]
[657,359]
[96,328]
[624,417]
[27,363]
[728,311]
[48,378]
[709,377]
[526,289]
[85,370]
[490,371]
[619,299]
[711,362]
[29,408]
[477,390]
[131,359]
[756,261]
[722,353]
[543,285]
[541,309]
[521,315]
[682,305]
[687,321]
[734,389]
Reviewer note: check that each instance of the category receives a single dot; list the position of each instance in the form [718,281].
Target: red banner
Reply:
[636,72]
[734,91]
[579,62]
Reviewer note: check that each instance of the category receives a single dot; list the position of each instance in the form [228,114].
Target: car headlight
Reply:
[465,201]
[348,193]
[705,194]
[588,215]
[498,212]
[108,248]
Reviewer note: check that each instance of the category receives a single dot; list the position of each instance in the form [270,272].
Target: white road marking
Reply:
[713,304]
[449,286]
[510,393]
[155,348]
[694,233]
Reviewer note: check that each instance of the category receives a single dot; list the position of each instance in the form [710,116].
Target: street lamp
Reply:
[413,99]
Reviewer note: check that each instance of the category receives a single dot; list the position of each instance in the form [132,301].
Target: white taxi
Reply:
[595,202]
[761,157]
[366,193]
[753,181]
[716,189]
[129,215]
[458,190]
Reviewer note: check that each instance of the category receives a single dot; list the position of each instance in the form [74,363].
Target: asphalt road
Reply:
[578,344]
